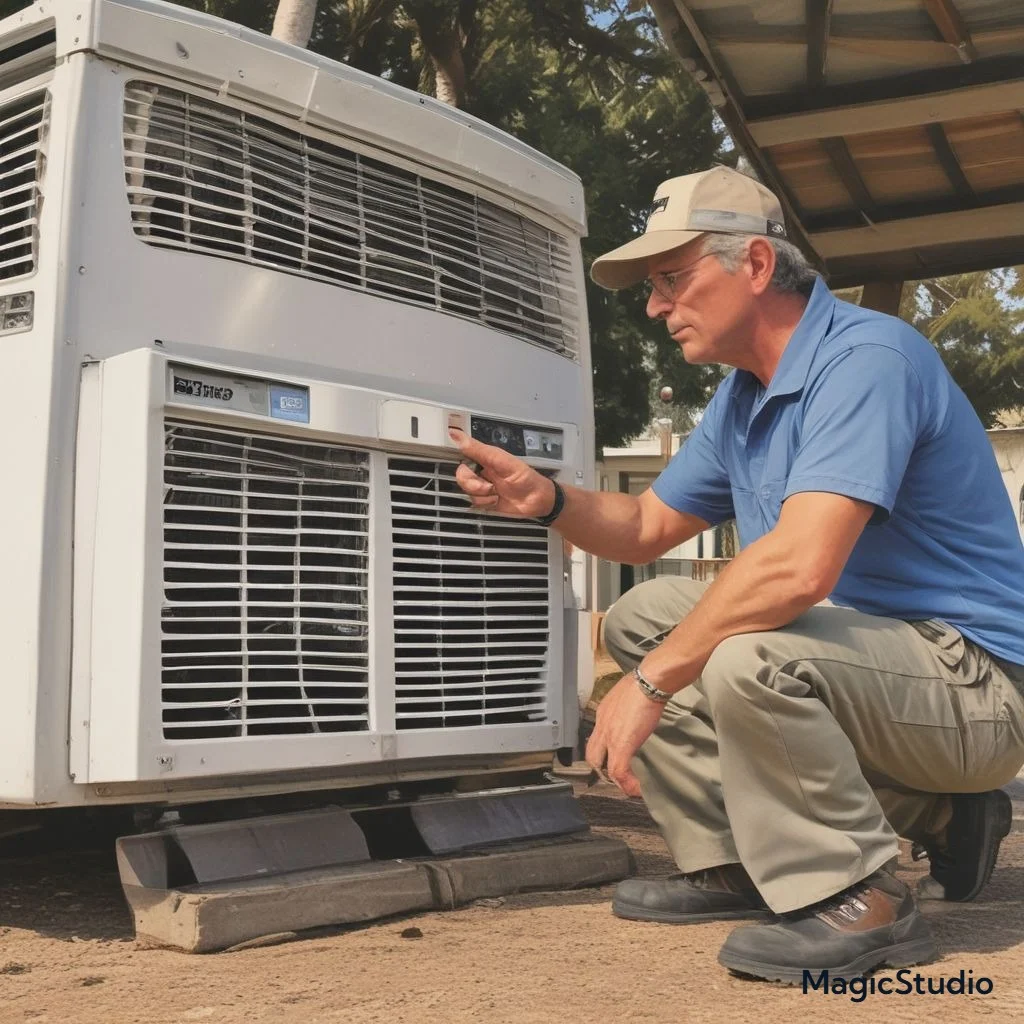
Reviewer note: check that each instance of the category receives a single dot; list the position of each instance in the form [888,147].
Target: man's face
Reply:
[710,311]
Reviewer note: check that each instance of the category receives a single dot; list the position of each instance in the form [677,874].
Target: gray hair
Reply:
[792,271]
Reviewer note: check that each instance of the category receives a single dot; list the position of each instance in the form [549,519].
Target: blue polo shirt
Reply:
[862,405]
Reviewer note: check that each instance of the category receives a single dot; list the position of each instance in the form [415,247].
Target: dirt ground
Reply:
[67,954]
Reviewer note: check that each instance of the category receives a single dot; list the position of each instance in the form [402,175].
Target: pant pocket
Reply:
[964,662]
[990,730]
[993,754]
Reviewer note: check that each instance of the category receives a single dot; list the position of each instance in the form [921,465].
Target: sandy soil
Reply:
[67,955]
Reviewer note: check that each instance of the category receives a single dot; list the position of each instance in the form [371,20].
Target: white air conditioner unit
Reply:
[243,292]
[277,574]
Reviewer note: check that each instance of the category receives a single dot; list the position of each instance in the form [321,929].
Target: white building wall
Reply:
[1008,445]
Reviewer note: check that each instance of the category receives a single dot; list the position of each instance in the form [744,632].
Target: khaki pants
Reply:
[803,752]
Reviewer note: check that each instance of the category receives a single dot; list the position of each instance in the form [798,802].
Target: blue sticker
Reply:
[289,403]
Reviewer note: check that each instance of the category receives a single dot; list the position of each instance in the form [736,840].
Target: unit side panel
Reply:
[35,546]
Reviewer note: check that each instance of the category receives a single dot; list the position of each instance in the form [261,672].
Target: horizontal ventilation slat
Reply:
[28,58]
[206,178]
[265,620]
[462,529]
[472,636]
[539,645]
[469,678]
[446,588]
[24,125]
[274,660]
[469,711]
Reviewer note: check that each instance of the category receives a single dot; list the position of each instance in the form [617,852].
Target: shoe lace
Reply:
[847,905]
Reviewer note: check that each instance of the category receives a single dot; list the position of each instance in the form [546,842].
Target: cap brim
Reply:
[627,265]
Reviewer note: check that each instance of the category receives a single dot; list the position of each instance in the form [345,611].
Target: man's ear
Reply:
[761,255]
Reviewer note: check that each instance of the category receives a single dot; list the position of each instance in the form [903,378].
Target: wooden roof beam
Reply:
[950,163]
[882,115]
[949,21]
[818,18]
[842,160]
[978,225]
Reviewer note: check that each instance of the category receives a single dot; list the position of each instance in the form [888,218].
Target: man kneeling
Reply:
[855,673]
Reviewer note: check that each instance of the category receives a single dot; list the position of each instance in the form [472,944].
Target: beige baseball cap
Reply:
[719,200]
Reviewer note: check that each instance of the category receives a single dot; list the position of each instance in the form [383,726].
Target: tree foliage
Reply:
[976,321]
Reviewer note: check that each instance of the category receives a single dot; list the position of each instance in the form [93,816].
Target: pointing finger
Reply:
[488,456]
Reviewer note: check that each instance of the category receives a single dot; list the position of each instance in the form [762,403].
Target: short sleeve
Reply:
[696,480]
[861,422]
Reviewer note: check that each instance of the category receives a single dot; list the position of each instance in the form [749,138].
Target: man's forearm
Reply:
[605,523]
[766,586]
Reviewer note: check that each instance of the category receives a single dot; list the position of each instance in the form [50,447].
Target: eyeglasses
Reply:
[666,283]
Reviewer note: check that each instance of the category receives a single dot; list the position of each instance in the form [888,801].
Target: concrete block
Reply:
[574,862]
[206,918]
[201,888]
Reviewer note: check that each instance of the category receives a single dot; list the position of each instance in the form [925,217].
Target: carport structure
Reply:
[892,129]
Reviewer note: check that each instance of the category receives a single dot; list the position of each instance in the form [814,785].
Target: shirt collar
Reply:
[798,355]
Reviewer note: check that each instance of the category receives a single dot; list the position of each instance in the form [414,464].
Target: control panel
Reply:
[516,439]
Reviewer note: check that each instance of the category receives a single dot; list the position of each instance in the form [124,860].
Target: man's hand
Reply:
[625,718]
[503,483]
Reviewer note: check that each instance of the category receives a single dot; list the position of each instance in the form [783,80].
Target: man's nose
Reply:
[658,307]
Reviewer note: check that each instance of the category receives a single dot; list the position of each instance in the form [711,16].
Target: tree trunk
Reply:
[451,78]
[445,28]
[293,22]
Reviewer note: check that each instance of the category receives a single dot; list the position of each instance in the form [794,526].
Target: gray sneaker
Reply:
[715,894]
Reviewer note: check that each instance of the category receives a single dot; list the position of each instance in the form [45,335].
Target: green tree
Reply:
[976,322]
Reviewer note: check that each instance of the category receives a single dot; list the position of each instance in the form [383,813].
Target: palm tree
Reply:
[293,22]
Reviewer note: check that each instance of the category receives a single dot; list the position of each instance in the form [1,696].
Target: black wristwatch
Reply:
[556,509]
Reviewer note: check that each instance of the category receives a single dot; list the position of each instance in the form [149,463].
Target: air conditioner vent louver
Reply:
[23,131]
[28,58]
[265,622]
[208,178]
[472,606]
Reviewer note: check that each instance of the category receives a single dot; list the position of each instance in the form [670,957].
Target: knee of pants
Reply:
[632,620]
[616,630]
[735,664]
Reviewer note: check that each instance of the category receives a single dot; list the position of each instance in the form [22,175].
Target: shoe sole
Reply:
[633,913]
[902,954]
[995,827]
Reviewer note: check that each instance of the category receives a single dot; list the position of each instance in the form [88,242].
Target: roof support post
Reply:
[883,296]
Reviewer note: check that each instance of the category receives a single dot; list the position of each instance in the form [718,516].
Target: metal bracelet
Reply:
[648,689]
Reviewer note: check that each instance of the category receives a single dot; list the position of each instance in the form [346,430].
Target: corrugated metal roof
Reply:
[893,129]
